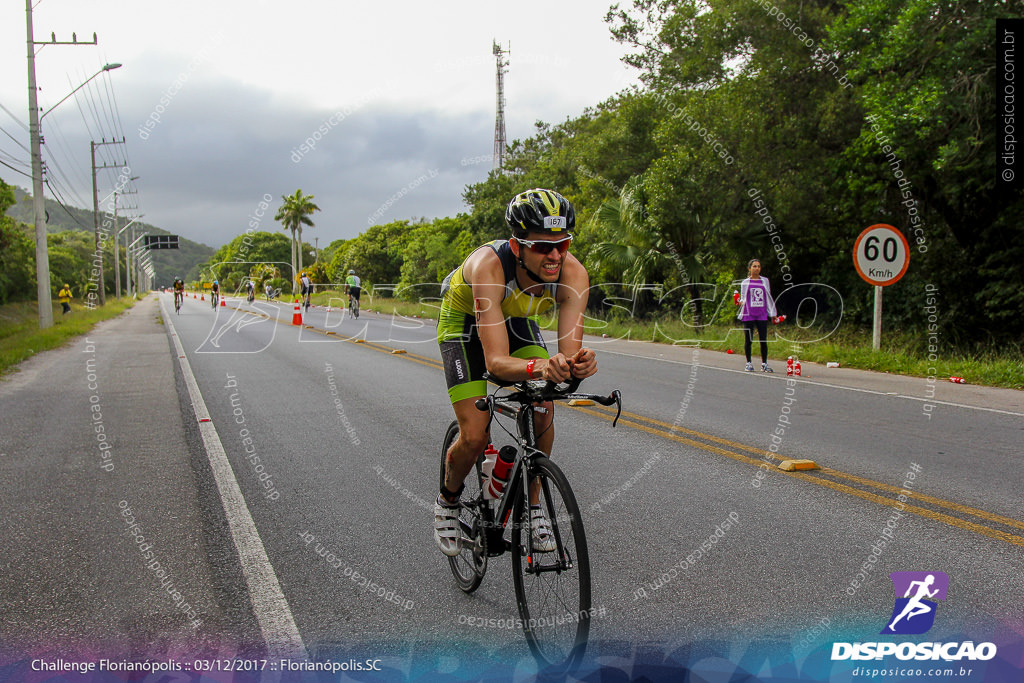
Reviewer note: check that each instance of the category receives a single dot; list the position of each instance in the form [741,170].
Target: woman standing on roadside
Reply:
[756,306]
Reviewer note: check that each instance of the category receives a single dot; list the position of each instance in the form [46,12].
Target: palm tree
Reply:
[650,247]
[293,214]
[640,254]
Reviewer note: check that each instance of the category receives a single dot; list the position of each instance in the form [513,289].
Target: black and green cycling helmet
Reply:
[539,210]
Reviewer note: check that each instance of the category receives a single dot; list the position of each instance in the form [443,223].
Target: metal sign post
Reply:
[881,256]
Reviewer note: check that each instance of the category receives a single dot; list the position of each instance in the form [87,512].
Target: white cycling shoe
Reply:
[543,537]
[447,530]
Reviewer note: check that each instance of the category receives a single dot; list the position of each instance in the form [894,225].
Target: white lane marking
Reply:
[269,604]
[820,384]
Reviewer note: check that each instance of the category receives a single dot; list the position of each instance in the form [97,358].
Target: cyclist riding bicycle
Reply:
[215,292]
[307,288]
[250,290]
[486,323]
[179,291]
[353,286]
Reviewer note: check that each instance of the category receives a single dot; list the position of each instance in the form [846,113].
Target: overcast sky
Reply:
[404,90]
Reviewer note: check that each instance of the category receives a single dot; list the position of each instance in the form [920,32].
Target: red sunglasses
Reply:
[546,246]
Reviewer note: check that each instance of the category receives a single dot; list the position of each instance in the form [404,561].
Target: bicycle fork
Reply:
[519,481]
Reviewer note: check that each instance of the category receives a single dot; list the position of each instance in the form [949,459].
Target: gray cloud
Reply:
[218,148]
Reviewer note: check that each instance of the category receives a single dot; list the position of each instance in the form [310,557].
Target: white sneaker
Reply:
[543,537]
[447,530]
[766,368]
[749,367]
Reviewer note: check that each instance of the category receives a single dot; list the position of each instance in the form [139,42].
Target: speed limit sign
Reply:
[881,255]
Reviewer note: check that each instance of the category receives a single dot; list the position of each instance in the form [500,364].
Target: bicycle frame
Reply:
[497,520]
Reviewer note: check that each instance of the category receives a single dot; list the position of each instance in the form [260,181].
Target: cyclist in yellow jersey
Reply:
[179,291]
[486,323]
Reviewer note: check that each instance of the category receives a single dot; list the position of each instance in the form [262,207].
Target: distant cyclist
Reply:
[487,323]
[215,293]
[353,288]
[307,289]
[250,290]
[179,292]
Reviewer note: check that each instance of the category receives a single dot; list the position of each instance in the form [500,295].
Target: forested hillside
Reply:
[776,131]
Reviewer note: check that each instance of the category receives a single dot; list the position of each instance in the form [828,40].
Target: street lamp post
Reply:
[43,297]
[117,236]
[133,267]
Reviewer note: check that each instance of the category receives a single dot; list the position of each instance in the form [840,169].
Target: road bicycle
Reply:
[553,593]
[251,296]
[353,306]
[178,296]
[305,300]
[214,299]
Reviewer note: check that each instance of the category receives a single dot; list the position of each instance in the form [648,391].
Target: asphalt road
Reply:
[347,437]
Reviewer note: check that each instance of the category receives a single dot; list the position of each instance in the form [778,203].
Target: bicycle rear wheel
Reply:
[470,565]
[355,307]
[552,588]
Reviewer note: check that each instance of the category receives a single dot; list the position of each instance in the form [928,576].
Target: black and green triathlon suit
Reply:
[461,349]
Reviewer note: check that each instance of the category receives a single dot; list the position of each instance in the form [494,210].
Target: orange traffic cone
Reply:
[297,315]
[202,297]
[222,302]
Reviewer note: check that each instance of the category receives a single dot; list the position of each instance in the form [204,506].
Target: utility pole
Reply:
[117,242]
[316,246]
[117,259]
[44,300]
[98,256]
[499,120]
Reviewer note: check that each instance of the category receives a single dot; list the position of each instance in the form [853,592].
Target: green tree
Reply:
[430,254]
[17,254]
[377,254]
[294,212]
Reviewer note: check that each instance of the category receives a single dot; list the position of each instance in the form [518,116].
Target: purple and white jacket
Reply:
[756,300]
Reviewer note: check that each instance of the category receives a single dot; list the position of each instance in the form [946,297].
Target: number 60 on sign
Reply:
[881,255]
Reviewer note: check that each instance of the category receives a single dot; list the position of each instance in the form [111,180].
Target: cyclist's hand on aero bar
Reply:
[557,368]
[583,364]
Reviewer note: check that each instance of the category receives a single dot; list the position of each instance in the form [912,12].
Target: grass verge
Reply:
[901,353]
[21,338]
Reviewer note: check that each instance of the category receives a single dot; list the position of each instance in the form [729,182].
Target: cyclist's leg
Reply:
[525,341]
[463,368]
[462,456]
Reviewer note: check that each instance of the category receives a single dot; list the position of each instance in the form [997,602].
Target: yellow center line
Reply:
[757,462]
[999,519]
[982,514]
[684,430]
[923,512]
[881,500]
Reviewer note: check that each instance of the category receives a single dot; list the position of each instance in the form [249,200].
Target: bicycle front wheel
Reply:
[470,565]
[552,587]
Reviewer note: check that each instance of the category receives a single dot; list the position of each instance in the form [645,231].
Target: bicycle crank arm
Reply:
[541,568]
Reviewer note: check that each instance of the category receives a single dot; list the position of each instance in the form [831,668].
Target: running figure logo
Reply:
[914,613]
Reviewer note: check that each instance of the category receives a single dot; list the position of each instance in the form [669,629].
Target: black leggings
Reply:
[748,337]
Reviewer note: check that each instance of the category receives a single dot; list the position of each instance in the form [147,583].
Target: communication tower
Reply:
[499,120]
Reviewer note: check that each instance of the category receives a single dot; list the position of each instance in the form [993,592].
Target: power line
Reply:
[58,198]
[27,175]
[14,160]
[16,141]
[19,121]
[63,147]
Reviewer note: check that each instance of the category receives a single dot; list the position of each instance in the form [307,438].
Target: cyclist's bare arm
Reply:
[573,292]
[483,269]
